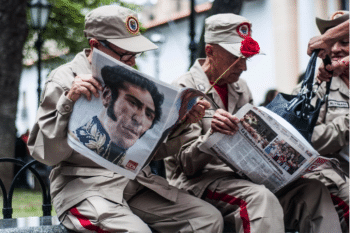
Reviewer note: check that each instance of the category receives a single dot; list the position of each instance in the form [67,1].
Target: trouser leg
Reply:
[187,214]
[96,214]
[247,206]
[339,189]
[308,207]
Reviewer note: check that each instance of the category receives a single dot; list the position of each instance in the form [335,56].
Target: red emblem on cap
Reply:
[243,30]
[132,25]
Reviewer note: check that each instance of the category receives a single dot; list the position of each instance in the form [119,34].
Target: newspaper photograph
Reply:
[122,129]
[266,149]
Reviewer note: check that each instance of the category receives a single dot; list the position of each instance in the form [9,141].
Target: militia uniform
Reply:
[331,139]
[331,133]
[90,198]
[245,206]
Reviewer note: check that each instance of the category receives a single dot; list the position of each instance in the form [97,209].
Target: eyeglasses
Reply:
[123,57]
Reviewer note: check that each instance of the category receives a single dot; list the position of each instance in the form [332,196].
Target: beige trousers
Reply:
[305,205]
[187,214]
[96,214]
[339,189]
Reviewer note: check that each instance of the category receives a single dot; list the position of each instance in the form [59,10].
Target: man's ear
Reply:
[208,50]
[93,43]
[106,96]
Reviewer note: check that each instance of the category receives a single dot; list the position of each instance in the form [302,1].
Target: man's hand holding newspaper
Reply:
[262,147]
[224,122]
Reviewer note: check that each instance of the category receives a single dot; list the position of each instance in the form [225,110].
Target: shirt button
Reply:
[67,107]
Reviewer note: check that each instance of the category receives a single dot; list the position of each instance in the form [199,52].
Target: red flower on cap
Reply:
[249,47]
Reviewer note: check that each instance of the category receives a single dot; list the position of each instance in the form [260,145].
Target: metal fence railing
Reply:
[7,209]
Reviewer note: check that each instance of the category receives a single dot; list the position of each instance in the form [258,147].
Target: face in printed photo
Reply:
[129,116]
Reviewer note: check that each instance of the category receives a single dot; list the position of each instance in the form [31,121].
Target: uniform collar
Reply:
[80,64]
[203,84]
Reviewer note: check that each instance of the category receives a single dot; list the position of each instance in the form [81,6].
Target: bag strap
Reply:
[326,61]
[306,93]
[308,81]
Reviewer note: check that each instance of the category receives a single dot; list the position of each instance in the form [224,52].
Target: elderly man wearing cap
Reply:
[338,29]
[331,134]
[87,197]
[304,205]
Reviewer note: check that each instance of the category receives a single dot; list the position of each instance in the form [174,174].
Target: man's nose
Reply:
[138,117]
[336,47]
[131,61]
[243,64]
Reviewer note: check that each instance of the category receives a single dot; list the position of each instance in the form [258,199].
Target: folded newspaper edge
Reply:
[267,149]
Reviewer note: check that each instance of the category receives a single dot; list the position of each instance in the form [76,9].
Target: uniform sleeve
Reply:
[330,137]
[182,143]
[184,149]
[48,139]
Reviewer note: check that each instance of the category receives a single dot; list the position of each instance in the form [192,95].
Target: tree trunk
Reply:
[219,7]
[13,25]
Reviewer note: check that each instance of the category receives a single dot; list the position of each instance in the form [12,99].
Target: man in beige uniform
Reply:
[90,198]
[331,134]
[304,205]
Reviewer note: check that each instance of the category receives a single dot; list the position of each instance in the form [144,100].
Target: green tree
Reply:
[66,25]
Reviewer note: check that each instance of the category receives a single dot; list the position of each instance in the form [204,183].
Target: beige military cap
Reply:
[119,26]
[227,30]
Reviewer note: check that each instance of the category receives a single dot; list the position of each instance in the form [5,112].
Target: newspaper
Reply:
[266,149]
[122,129]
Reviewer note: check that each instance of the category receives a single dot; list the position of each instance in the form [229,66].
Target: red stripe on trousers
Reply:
[343,205]
[85,222]
[233,201]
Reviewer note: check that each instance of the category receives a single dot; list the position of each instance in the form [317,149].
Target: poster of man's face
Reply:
[129,116]
[132,105]
[125,123]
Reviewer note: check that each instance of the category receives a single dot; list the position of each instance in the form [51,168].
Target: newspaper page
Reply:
[122,129]
[266,149]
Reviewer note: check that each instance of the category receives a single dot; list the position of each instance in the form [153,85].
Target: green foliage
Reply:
[66,24]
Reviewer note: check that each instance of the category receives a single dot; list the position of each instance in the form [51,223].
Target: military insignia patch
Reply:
[132,165]
[132,25]
[243,30]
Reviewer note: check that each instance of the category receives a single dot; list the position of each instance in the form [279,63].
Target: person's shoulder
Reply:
[185,80]
[241,86]
[62,75]
[242,83]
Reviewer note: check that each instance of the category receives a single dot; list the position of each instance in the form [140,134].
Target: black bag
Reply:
[297,109]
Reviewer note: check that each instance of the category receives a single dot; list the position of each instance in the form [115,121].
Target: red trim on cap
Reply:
[233,201]
[239,32]
[85,222]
